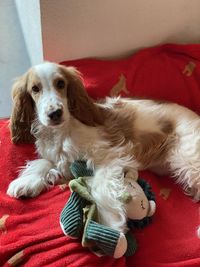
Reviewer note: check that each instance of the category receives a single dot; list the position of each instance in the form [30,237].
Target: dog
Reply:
[114,136]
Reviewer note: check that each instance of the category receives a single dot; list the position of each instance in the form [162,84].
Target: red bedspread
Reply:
[30,233]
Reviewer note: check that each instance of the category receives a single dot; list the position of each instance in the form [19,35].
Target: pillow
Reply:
[169,72]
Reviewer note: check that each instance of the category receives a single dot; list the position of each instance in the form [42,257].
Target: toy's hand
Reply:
[126,197]
[133,174]
[152,208]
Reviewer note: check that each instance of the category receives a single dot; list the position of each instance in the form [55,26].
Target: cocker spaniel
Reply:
[115,136]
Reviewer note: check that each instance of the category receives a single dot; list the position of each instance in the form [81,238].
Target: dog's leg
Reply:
[34,178]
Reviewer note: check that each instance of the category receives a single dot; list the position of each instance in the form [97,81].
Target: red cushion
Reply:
[158,72]
[31,227]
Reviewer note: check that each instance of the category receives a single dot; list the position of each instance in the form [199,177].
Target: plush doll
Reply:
[80,216]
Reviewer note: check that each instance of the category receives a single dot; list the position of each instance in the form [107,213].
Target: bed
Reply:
[30,234]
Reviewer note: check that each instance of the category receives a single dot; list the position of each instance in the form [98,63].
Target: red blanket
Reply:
[30,233]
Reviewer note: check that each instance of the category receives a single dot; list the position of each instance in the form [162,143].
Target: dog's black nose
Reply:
[55,115]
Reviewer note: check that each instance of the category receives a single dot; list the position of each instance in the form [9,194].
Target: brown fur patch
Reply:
[33,80]
[118,127]
[22,113]
[167,126]
[80,105]
[152,147]
[146,147]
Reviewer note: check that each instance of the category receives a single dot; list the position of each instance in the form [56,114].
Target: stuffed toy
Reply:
[80,216]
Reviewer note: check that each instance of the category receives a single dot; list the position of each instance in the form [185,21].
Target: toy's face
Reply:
[138,206]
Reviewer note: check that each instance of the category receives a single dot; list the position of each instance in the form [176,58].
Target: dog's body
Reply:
[115,136]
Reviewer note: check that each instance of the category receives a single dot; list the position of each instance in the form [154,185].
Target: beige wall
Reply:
[106,28]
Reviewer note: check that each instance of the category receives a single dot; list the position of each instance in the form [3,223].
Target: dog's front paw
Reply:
[23,187]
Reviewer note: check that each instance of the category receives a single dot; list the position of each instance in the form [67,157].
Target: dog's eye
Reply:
[60,84]
[35,89]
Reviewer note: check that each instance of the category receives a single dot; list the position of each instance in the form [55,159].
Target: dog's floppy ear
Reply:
[80,105]
[22,113]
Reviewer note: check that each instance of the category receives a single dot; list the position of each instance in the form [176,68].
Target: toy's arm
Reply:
[133,174]
[79,186]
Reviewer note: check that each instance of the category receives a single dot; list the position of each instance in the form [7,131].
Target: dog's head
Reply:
[52,93]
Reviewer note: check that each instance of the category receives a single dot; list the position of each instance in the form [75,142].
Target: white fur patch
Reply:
[31,180]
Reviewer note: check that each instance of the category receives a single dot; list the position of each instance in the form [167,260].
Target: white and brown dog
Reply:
[114,136]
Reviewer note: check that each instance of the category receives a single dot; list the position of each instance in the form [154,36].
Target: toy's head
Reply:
[136,203]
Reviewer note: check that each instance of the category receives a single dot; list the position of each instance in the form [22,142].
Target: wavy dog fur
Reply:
[114,137]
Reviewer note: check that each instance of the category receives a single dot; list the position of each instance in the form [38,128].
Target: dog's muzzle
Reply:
[55,116]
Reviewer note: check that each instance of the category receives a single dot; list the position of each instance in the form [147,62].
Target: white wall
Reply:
[109,28]
[20,44]
[30,22]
